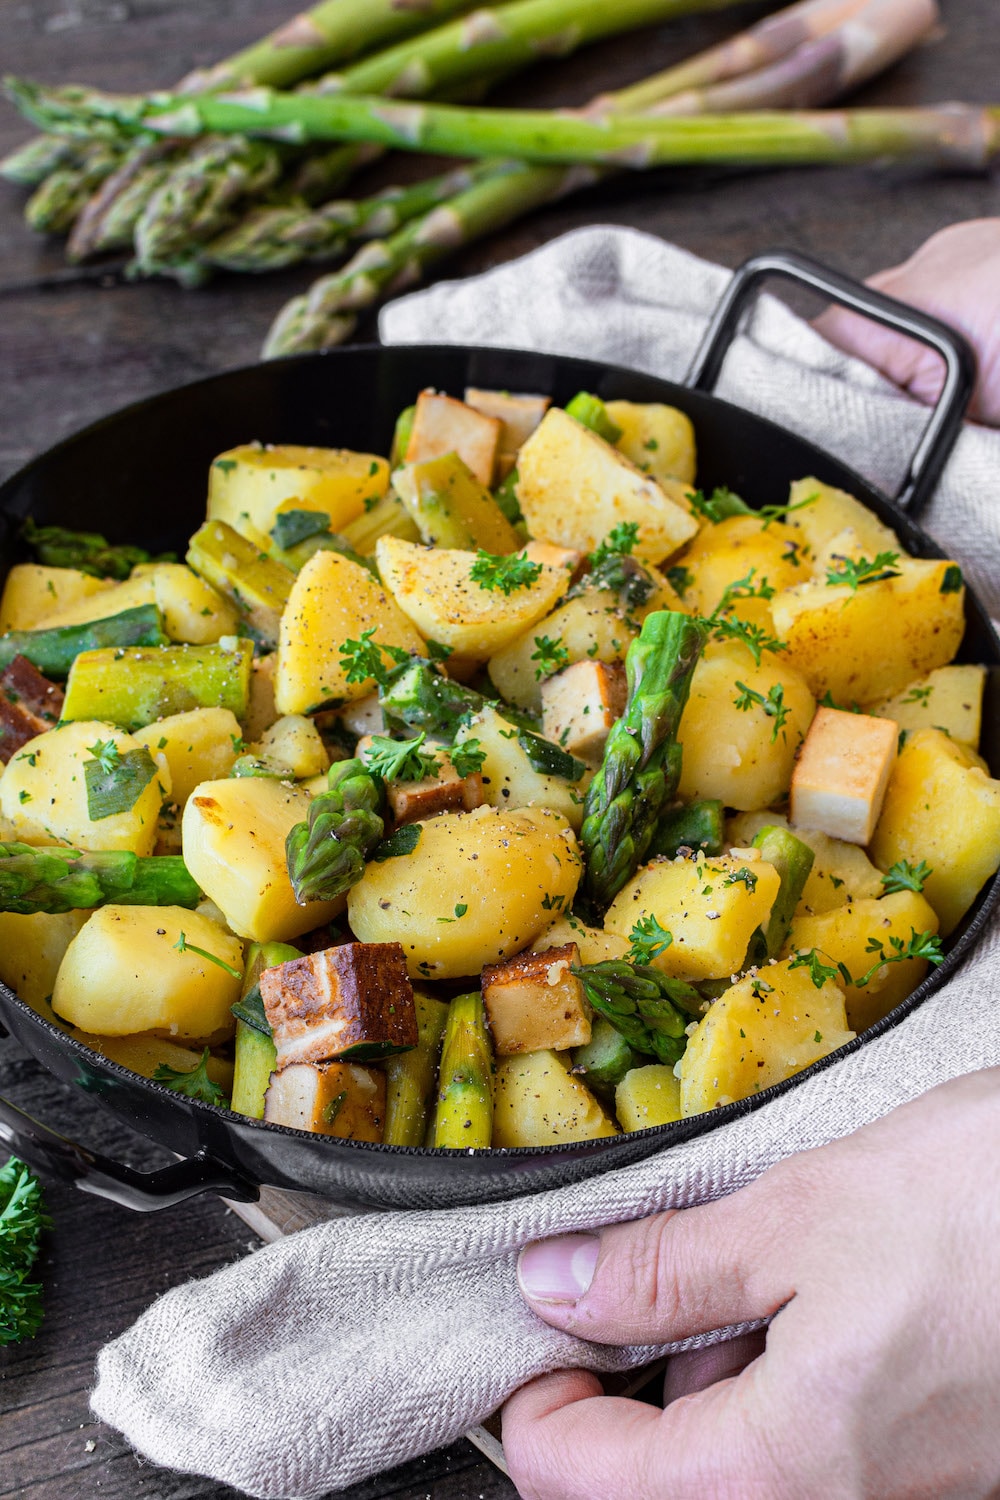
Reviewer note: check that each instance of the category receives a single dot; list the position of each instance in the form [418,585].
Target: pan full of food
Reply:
[438,774]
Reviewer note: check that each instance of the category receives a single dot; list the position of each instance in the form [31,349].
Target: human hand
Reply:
[878,1260]
[956,276]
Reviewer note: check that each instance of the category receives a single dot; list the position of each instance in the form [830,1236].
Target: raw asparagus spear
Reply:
[54,651]
[640,769]
[87,551]
[57,880]
[256,1053]
[463,1119]
[699,825]
[257,585]
[410,1076]
[326,853]
[29,164]
[57,200]
[648,1008]
[134,687]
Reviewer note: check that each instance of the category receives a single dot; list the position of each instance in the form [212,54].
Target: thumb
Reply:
[664,1278]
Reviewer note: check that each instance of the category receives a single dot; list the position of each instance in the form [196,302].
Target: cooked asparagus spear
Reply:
[463,1119]
[606,1058]
[256,1053]
[326,854]
[640,769]
[86,551]
[54,651]
[699,825]
[257,585]
[135,686]
[793,861]
[410,1076]
[57,880]
[417,695]
[648,1008]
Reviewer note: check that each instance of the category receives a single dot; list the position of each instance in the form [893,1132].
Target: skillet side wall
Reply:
[139,476]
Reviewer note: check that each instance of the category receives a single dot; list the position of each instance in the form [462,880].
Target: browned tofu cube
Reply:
[535,1002]
[842,772]
[518,415]
[331,1098]
[29,705]
[581,703]
[445,791]
[354,1000]
[443,425]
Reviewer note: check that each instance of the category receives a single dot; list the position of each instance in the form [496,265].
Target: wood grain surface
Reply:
[77,344]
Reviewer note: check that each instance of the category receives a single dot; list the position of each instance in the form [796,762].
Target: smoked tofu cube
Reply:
[354,1000]
[29,705]
[518,415]
[444,425]
[840,780]
[580,705]
[535,1002]
[445,791]
[337,1099]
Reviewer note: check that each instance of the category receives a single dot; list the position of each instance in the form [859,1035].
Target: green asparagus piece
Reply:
[108,218]
[135,686]
[793,861]
[648,1008]
[451,508]
[54,651]
[256,1053]
[258,586]
[606,1058]
[463,1118]
[57,200]
[418,696]
[58,880]
[296,557]
[591,412]
[640,769]
[698,825]
[86,551]
[410,1077]
[29,164]
[402,433]
[326,854]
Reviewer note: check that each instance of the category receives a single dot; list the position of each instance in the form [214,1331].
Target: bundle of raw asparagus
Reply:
[234,170]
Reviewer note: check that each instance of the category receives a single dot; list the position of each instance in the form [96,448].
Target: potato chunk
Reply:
[840,873]
[124,972]
[742,754]
[248,485]
[839,781]
[43,792]
[538,1102]
[333,600]
[842,643]
[764,1029]
[535,1001]
[31,950]
[507,777]
[648,1096]
[193,611]
[352,1001]
[574,488]
[712,907]
[31,593]
[477,888]
[234,835]
[950,698]
[821,512]
[729,551]
[941,807]
[294,747]
[595,946]
[200,745]
[434,588]
[843,936]
[339,1099]
[658,439]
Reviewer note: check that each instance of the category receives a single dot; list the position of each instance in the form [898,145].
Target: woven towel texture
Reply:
[356,1345]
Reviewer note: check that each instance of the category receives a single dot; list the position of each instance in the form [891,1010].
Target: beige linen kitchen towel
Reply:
[353,1346]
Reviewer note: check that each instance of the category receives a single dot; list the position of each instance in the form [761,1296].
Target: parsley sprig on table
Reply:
[22,1219]
[508,574]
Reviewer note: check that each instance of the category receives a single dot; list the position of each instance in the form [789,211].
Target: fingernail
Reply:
[560,1269]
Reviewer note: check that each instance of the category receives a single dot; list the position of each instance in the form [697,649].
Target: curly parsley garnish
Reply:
[903,876]
[856,571]
[363,660]
[399,760]
[508,574]
[648,939]
[773,704]
[467,757]
[195,1083]
[619,542]
[551,656]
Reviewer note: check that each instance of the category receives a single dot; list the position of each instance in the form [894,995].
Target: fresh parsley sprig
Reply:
[22,1219]
[467,757]
[364,661]
[551,656]
[195,1083]
[183,946]
[619,542]
[507,574]
[399,760]
[718,506]
[773,704]
[854,571]
[902,876]
[647,940]
[922,945]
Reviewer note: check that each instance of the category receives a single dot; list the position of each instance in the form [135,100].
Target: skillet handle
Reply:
[942,430]
[46,1151]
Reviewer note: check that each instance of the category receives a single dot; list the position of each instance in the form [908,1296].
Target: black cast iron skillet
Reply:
[140,476]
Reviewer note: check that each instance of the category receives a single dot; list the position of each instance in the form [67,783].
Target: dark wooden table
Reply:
[73,347]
